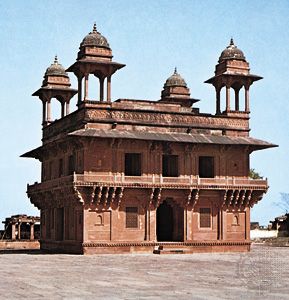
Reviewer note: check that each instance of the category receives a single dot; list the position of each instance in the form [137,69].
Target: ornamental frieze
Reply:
[163,118]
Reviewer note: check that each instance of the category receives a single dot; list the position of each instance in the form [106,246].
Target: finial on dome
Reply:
[175,72]
[94,27]
[55,59]
[231,42]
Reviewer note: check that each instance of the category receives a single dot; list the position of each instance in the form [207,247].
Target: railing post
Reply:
[153,178]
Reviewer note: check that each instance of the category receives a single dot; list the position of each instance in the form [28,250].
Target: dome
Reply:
[175,80]
[55,69]
[95,39]
[232,52]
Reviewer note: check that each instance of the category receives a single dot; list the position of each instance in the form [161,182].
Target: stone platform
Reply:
[259,274]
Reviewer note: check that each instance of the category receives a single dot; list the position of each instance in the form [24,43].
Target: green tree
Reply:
[254,175]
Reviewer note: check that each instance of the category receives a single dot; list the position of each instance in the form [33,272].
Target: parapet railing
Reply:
[153,179]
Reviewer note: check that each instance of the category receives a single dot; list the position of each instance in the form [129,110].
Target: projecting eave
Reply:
[35,153]
[254,144]
[251,76]
[55,89]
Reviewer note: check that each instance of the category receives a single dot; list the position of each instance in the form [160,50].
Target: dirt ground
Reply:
[261,274]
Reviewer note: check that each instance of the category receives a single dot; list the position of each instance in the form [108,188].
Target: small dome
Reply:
[175,80]
[55,69]
[95,39]
[232,52]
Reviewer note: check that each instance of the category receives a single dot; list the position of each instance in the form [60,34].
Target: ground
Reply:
[261,274]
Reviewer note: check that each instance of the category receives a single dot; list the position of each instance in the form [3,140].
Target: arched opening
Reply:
[170,222]
[223,99]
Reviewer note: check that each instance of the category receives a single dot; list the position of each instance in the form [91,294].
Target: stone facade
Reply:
[139,175]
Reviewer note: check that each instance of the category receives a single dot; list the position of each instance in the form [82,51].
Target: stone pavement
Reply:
[261,274]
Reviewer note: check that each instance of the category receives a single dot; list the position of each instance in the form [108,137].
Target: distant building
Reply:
[135,175]
[21,227]
[254,225]
[281,224]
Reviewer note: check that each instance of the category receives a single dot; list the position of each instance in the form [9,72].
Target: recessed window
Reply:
[131,220]
[170,166]
[71,164]
[132,164]
[206,167]
[205,217]
[60,167]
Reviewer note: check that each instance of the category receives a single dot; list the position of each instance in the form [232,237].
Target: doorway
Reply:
[170,222]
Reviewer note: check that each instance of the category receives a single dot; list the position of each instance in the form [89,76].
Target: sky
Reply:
[151,37]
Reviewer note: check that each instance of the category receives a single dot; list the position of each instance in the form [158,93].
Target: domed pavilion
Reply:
[132,175]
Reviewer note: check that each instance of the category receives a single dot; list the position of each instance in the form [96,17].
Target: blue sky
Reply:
[151,38]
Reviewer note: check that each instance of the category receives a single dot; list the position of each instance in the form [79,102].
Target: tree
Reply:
[254,175]
[283,203]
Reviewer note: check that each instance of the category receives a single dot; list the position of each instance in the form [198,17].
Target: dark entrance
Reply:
[170,222]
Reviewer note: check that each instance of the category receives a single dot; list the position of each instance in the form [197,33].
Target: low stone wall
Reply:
[19,245]
[263,234]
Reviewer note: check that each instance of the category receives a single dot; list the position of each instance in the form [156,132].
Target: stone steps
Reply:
[170,250]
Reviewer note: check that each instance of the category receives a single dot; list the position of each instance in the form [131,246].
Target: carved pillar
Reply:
[228,98]
[224,225]
[108,93]
[19,231]
[86,87]
[62,109]
[218,101]
[48,118]
[247,108]
[67,108]
[237,105]
[79,90]
[44,118]
[13,232]
[101,83]
[247,223]
[31,231]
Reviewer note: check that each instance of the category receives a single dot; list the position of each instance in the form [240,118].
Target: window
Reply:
[60,167]
[170,166]
[131,220]
[206,167]
[205,217]
[132,164]
[71,164]
[50,170]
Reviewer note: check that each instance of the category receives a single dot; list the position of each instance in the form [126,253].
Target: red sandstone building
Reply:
[139,175]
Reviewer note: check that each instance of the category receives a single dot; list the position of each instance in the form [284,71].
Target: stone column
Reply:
[86,87]
[79,90]
[44,119]
[19,231]
[101,83]
[48,118]
[62,109]
[108,93]
[218,101]
[237,99]
[224,225]
[13,231]
[247,223]
[228,98]
[247,108]
[31,231]
[67,108]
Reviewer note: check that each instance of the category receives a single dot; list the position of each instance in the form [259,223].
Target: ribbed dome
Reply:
[56,69]
[232,52]
[95,39]
[175,80]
